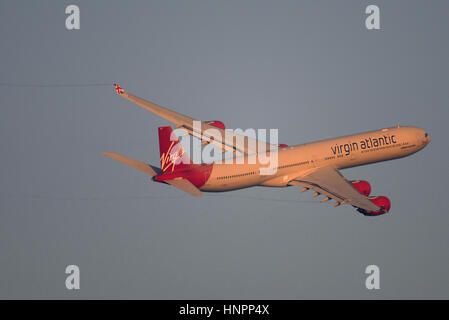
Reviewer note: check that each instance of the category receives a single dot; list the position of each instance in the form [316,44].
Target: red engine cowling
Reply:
[216,123]
[362,186]
[380,201]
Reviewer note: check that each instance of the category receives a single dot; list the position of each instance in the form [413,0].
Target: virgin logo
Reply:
[172,157]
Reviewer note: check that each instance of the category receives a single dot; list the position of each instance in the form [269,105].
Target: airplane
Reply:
[311,166]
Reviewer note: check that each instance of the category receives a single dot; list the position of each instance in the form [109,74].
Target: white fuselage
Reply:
[343,152]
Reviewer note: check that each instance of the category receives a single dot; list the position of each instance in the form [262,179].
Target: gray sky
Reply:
[309,68]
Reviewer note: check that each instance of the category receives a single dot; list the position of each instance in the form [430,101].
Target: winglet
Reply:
[118,89]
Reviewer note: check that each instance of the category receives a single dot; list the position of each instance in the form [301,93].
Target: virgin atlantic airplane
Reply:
[312,165]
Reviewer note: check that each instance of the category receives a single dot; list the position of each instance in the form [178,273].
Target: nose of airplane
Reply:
[425,138]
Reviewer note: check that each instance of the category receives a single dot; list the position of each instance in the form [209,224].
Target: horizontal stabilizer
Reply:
[186,186]
[139,165]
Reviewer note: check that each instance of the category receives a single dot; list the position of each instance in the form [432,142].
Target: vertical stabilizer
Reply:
[173,156]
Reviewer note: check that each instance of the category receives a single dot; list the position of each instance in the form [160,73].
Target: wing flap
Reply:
[330,182]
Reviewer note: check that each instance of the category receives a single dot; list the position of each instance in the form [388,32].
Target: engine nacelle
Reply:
[216,123]
[380,201]
[362,186]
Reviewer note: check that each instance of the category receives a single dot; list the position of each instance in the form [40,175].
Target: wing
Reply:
[247,145]
[330,182]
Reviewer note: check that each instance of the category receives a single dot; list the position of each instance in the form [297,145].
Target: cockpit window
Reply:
[426,135]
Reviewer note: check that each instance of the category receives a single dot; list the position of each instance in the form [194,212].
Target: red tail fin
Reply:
[173,156]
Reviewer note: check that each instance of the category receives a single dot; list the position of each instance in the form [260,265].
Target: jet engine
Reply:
[216,123]
[380,201]
[362,186]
